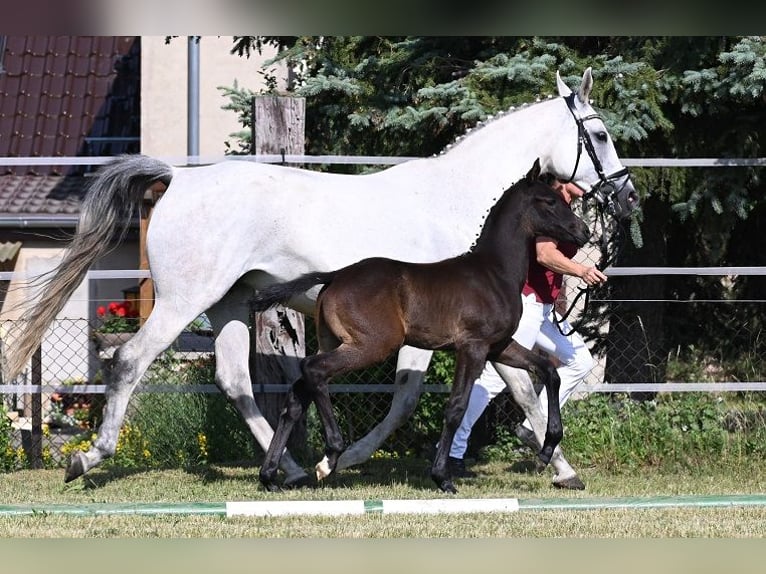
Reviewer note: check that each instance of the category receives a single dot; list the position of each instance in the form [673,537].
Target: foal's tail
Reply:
[105,216]
[280,293]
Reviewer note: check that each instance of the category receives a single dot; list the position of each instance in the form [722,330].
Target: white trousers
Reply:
[536,328]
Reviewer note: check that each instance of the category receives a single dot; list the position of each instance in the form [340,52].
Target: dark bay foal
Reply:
[470,304]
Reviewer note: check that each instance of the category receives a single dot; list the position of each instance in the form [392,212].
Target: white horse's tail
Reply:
[105,216]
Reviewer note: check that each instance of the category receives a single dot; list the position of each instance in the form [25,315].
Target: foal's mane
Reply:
[545,178]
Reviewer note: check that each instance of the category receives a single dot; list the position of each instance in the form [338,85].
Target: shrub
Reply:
[674,430]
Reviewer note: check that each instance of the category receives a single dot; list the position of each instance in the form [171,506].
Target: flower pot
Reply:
[107,343]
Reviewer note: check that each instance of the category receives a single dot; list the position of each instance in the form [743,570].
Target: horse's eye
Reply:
[602,137]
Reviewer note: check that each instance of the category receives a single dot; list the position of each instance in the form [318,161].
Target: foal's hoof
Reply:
[268,482]
[297,483]
[447,486]
[271,486]
[571,483]
[323,468]
[76,467]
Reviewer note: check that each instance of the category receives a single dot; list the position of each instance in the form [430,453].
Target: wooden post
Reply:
[277,341]
[35,454]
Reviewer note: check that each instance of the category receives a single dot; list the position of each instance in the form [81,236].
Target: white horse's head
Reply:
[585,153]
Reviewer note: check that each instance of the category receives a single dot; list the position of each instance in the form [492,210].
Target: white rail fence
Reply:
[392,160]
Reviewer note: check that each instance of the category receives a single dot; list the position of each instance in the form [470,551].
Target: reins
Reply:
[608,257]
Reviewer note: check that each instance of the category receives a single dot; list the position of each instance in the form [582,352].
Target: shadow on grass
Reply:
[375,473]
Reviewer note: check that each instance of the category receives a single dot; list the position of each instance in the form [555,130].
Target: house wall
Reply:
[65,347]
[164,104]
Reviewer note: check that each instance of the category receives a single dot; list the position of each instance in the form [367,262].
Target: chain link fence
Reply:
[177,416]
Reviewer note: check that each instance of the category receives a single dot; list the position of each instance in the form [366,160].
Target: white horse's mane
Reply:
[490,119]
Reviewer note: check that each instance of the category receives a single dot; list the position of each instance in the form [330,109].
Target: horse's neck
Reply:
[504,240]
[501,151]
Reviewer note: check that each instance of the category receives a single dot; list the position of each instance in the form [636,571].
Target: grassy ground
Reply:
[386,479]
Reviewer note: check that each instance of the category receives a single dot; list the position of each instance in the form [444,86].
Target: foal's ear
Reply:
[534,174]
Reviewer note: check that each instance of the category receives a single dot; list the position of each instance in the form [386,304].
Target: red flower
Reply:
[118,318]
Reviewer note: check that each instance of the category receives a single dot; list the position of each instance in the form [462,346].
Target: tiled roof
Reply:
[41,194]
[64,96]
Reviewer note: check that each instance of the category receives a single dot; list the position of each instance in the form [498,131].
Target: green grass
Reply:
[385,479]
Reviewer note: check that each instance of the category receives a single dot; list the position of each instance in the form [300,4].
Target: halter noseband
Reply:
[606,188]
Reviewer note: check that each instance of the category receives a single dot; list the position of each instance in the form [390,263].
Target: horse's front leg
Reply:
[296,403]
[517,356]
[524,395]
[411,368]
[469,362]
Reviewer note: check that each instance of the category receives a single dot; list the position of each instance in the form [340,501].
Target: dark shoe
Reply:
[457,468]
[527,437]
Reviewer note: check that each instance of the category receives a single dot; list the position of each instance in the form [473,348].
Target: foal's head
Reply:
[546,213]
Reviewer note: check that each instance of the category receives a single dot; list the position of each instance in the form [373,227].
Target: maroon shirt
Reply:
[544,283]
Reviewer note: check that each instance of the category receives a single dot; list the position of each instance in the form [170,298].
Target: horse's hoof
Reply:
[270,486]
[298,483]
[571,483]
[268,482]
[323,469]
[76,467]
[448,487]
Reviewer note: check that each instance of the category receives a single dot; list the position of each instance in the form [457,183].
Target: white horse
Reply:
[222,231]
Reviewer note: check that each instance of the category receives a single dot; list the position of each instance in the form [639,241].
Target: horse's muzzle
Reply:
[617,196]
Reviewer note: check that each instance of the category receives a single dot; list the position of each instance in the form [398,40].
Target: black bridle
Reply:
[605,193]
[607,188]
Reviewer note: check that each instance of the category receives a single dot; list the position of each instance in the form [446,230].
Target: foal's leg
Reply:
[411,368]
[517,356]
[523,393]
[469,362]
[229,318]
[364,352]
[297,401]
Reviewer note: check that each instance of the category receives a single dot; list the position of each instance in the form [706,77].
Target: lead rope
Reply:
[603,263]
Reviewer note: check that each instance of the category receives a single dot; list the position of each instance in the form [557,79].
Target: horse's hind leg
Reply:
[297,401]
[523,391]
[411,368]
[122,373]
[229,318]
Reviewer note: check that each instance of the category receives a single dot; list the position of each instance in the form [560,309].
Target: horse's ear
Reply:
[534,174]
[586,86]
[564,90]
